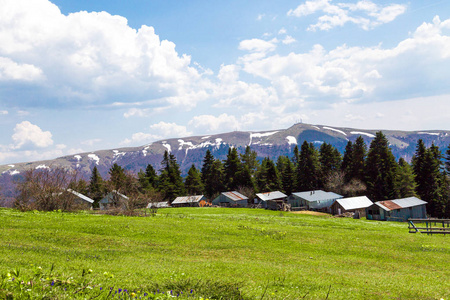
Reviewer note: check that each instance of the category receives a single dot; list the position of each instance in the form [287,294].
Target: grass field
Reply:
[225,252]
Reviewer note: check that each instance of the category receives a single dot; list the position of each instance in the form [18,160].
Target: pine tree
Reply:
[358,159]
[347,160]
[232,167]
[96,187]
[381,170]
[287,174]
[267,176]
[330,161]
[170,181]
[117,177]
[193,182]
[447,161]
[249,159]
[207,180]
[216,179]
[406,180]
[308,169]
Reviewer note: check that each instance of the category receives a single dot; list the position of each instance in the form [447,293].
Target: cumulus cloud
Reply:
[3,112]
[27,134]
[159,131]
[89,59]
[213,124]
[91,142]
[365,14]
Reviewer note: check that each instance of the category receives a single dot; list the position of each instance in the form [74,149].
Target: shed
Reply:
[187,201]
[397,210]
[313,200]
[80,198]
[272,200]
[112,199]
[231,199]
[357,205]
[164,204]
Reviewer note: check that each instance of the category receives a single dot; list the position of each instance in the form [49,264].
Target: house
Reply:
[164,204]
[112,199]
[397,210]
[231,199]
[187,201]
[313,200]
[271,200]
[356,205]
[81,199]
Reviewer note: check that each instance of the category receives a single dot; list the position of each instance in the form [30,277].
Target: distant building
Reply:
[356,205]
[190,201]
[81,199]
[112,199]
[313,200]
[164,204]
[271,200]
[397,210]
[231,199]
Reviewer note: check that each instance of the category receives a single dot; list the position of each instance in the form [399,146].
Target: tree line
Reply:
[361,170]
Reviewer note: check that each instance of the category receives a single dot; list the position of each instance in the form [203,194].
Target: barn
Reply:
[313,200]
[355,205]
[397,210]
[189,201]
[231,199]
[113,199]
[271,200]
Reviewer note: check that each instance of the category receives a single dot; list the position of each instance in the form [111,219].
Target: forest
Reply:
[362,169]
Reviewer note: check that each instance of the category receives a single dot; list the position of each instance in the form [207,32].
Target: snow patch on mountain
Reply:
[78,157]
[363,133]
[42,167]
[206,137]
[11,172]
[11,166]
[94,157]
[260,135]
[144,151]
[182,143]
[429,133]
[167,146]
[315,127]
[291,140]
[334,129]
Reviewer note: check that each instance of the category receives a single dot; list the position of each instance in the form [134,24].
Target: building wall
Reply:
[399,215]
[222,200]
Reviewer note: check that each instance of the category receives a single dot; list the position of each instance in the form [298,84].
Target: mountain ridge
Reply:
[273,143]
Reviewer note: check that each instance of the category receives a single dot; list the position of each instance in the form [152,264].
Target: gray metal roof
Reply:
[270,195]
[354,202]
[110,195]
[158,204]
[317,195]
[81,196]
[400,203]
[235,196]
[188,199]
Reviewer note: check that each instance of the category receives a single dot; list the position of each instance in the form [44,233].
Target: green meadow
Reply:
[217,253]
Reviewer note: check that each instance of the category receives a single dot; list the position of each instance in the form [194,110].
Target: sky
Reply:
[79,76]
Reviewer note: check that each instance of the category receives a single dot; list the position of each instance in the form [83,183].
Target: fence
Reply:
[432,226]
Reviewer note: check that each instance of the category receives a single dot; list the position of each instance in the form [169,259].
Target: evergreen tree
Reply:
[117,177]
[267,176]
[346,165]
[330,161]
[170,181]
[151,176]
[358,159]
[447,161]
[296,157]
[216,179]
[288,177]
[381,170]
[193,182]
[308,169]
[207,178]
[249,159]
[406,180]
[96,187]
[232,168]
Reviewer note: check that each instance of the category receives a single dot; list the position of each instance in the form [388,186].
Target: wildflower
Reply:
[101,288]
[133,295]
[120,291]
[89,271]
[53,283]
[145,294]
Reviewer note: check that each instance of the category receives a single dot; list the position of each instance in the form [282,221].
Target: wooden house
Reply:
[313,200]
[397,210]
[189,201]
[113,199]
[355,205]
[231,199]
[271,200]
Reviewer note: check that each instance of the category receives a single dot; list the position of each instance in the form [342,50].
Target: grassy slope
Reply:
[292,255]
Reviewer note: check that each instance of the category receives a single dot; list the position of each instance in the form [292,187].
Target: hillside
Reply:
[191,150]
[284,255]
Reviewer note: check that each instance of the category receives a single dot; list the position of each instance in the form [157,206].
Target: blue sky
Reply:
[79,76]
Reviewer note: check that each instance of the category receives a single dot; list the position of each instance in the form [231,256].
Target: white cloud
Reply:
[89,59]
[364,13]
[159,131]
[288,40]
[27,134]
[3,112]
[282,31]
[90,142]
[213,124]
[258,45]
[260,17]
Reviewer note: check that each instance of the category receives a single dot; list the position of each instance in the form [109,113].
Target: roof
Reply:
[81,196]
[158,204]
[188,199]
[354,202]
[109,195]
[317,195]
[235,196]
[389,205]
[270,195]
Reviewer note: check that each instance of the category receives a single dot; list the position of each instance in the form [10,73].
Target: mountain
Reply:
[191,150]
